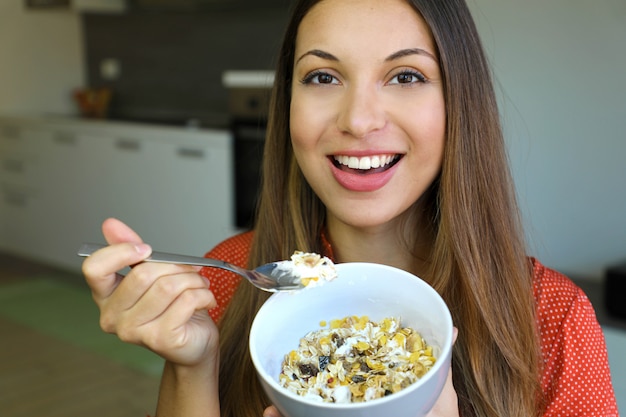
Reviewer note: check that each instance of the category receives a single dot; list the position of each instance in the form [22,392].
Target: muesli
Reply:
[311,268]
[355,359]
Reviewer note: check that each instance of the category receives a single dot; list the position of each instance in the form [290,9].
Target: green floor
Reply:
[67,312]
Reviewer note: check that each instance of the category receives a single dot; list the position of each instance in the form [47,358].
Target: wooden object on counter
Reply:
[93,102]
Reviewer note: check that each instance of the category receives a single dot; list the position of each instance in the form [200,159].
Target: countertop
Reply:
[192,128]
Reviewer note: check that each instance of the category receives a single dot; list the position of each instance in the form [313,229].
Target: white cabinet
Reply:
[69,193]
[181,201]
[171,185]
[19,188]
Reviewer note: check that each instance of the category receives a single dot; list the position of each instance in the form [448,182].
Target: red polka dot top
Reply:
[575,377]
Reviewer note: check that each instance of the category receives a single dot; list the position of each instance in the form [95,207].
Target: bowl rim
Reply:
[443,357]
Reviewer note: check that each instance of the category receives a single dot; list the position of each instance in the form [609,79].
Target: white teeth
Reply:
[364,162]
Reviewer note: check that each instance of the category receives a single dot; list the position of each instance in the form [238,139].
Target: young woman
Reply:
[384,145]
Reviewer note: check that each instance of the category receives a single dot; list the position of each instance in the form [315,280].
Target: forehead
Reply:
[363,24]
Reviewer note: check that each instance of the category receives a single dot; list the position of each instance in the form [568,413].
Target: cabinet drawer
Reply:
[9,132]
[11,139]
[16,196]
[19,168]
[13,165]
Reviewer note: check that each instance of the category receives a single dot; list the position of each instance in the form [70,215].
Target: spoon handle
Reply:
[87,249]
[261,279]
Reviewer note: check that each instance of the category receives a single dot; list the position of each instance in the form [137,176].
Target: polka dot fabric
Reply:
[224,283]
[575,379]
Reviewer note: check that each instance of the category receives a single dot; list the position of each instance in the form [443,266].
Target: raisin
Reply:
[358,378]
[307,370]
[339,341]
[323,362]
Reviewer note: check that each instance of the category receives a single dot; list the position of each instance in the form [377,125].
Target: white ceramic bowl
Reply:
[374,290]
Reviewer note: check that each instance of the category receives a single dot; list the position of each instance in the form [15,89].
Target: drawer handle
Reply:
[15,198]
[128,145]
[190,153]
[65,139]
[13,165]
[10,132]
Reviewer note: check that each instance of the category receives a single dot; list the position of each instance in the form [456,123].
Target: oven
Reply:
[248,142]
[248,102]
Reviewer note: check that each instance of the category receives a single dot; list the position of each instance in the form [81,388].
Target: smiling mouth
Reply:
[365,164]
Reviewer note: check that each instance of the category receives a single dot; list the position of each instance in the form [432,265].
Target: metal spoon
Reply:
[272,277]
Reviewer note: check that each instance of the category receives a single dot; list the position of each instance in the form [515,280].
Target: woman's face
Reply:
[367,109]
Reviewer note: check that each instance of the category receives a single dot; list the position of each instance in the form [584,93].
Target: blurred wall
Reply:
[561,70]
[41,59]
[171,64]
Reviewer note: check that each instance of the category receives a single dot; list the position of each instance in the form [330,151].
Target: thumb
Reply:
[271,411]
[115,231]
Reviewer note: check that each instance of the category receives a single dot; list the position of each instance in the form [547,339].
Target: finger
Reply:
[115,231]
[185,306]
[447,404]
[145,299]
[271,411]
[182,326]
[100,268]
[143,276]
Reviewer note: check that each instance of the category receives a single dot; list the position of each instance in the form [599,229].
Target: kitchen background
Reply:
[559,67]
[172,63]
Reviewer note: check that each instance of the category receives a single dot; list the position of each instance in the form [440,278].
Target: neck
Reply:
[381,244]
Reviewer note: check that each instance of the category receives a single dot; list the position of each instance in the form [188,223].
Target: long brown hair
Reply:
[477,259]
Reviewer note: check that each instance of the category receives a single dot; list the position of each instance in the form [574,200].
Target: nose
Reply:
[361,112]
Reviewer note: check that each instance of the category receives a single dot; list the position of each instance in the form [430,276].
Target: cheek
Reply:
[300,137]
[437,135]
[303,125]
[431,128]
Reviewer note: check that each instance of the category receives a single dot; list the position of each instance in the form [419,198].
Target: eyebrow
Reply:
[318,53]
[410,51]
[396,55]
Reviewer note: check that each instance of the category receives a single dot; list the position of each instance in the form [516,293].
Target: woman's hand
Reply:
[447,404]
[160,306]
[271,411]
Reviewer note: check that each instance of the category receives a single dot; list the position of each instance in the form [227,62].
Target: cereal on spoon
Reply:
[312,269]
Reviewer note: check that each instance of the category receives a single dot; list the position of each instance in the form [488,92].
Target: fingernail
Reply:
[143,248]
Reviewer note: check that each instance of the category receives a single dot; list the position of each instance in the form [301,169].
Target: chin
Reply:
[363,219]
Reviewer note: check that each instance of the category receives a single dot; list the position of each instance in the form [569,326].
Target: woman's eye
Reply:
[319,78]
[408,77]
